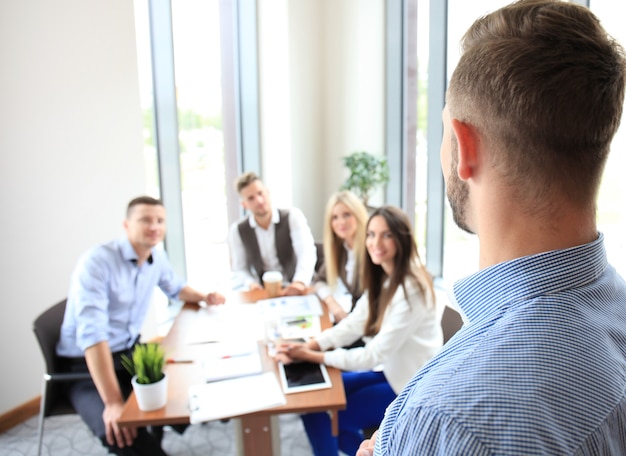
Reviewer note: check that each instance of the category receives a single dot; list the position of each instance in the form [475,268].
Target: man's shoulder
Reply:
[244,221]
[104,250]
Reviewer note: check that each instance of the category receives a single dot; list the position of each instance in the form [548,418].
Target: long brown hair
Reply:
[407,266]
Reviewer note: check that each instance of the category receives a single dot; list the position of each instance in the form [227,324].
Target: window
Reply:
[611,215]
[197,61]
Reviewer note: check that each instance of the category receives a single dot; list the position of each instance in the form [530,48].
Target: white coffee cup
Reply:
[272,282]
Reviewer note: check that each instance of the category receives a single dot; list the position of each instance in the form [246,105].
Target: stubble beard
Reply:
[457,192]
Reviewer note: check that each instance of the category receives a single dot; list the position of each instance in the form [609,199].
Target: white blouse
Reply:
[409,336]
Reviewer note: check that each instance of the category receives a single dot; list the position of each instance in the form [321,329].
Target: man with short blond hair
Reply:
[270,240]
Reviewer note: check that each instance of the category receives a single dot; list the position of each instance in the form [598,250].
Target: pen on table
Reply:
[236,355]
[178,361]
[299,321]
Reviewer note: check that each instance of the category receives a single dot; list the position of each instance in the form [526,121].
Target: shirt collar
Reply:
[275,219]
[494,289]
[128,253]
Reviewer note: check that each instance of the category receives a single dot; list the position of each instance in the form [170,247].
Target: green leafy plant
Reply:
[146,363]
[366,172]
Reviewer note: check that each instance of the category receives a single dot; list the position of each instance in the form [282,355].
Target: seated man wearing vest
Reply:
[270,240]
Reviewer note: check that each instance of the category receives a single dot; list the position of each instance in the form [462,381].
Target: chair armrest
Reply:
[66,376]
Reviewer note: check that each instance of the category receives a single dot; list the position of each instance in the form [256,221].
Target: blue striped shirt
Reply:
[540,369]
[110,295]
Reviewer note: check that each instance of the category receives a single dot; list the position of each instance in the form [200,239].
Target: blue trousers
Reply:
[367,396]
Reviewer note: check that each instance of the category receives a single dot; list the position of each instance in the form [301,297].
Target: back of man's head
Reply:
[543,83]
[142,200]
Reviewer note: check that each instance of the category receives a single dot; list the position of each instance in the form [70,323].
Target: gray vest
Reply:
[282,240]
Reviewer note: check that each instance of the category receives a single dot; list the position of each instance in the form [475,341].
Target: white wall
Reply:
[71,157]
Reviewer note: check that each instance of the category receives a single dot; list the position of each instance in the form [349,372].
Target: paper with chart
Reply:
[292,306]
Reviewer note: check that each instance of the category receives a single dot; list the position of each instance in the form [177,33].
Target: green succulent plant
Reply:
[147,363]
[366,172]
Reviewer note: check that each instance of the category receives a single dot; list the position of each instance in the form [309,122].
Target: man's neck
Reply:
[508,235]
[142,254]
[264,221]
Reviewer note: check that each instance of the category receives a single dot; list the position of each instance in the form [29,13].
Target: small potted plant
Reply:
[366,172]
[149,381]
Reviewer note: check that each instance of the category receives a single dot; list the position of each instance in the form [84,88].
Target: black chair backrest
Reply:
[47,328]
[319,249]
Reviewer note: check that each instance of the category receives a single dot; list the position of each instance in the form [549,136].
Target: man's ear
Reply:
[467,141]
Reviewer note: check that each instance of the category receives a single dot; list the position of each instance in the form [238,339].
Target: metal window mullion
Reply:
[166,130]
[240,95]
[394,126]
[437,82]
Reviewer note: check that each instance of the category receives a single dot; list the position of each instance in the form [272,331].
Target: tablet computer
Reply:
[303,376]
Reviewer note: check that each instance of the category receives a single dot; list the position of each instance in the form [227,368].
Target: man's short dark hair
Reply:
[542,81]
[142,200]
[245,179]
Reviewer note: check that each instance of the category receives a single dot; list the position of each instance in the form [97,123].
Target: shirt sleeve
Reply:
[91,291]
[399,324]
[303,246]
[169,283]
[346,331]
[322,289]
[241,273]
[426,431]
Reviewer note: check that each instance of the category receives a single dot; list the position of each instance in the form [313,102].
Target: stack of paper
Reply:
[234,397]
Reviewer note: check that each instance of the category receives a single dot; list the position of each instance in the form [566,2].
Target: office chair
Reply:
[319,249]
[47,328]
[451,322]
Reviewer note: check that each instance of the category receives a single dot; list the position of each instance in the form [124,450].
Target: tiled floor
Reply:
[68,436]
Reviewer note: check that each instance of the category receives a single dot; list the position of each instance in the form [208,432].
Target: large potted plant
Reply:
[149,380]
[367,171]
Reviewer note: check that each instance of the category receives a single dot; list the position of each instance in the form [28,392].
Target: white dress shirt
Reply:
[409,336]
[303,247]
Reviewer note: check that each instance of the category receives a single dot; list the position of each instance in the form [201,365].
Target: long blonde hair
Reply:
[333,245]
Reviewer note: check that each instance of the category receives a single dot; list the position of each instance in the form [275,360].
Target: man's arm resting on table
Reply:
[188,294]
[100,363]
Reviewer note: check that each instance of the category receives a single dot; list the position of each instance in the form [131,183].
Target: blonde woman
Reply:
[344,252]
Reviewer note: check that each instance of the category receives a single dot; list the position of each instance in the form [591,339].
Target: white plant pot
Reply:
[152,396]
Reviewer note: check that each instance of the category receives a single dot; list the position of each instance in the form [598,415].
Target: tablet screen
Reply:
[303,376]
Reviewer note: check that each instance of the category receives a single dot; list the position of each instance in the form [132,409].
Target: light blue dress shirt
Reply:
[110,295]
[540,369]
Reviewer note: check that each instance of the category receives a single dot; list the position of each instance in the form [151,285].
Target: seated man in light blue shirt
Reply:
[540,367]
[110,293]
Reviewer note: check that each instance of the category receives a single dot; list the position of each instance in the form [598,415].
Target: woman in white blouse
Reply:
[399,321]
[339,282]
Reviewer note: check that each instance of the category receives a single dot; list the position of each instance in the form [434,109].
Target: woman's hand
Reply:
[283,358]
[300,351]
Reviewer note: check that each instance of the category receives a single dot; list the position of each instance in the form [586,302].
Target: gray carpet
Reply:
[68,436]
